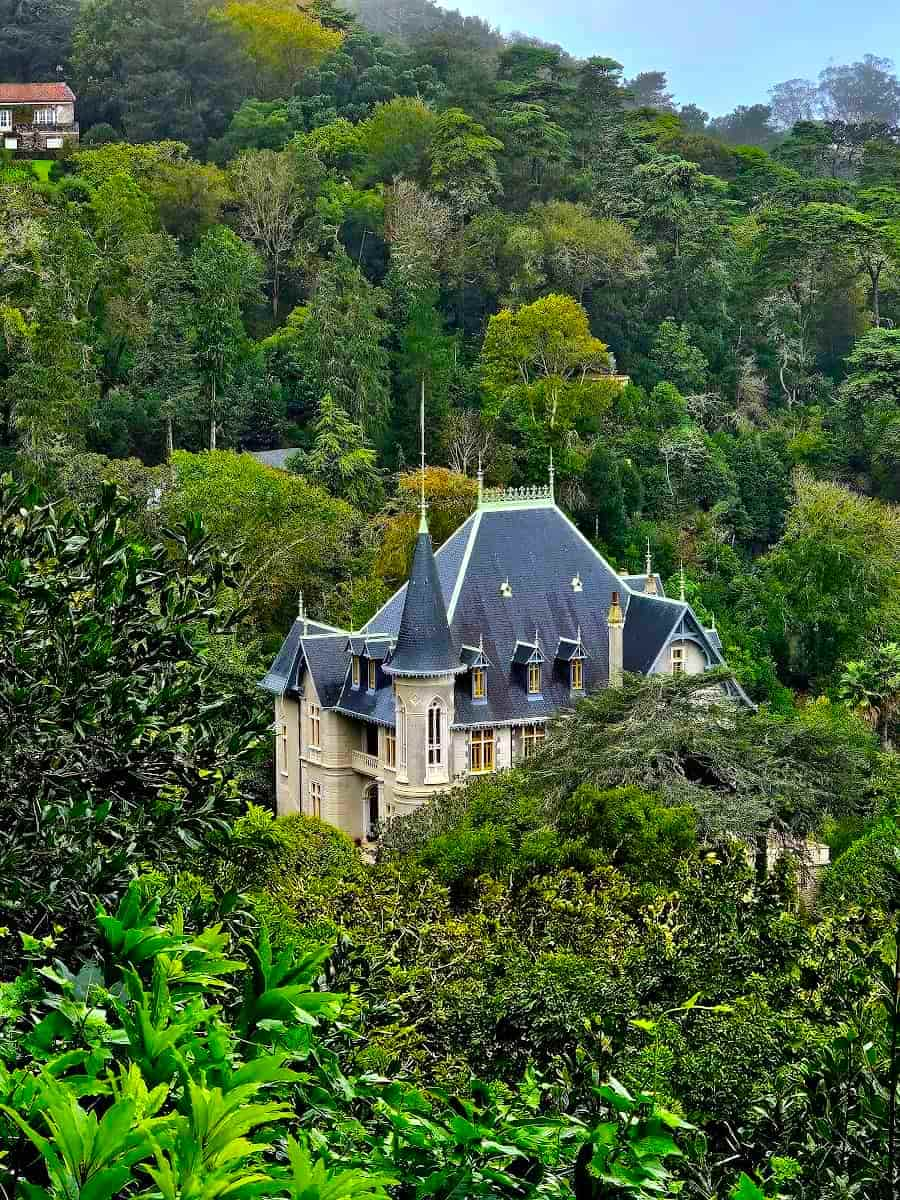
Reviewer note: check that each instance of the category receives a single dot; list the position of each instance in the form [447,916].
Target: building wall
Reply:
[694,659]
[287,755]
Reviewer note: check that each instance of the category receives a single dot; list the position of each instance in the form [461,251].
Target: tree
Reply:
[648,89]
[340,459]
[746,126]
[291,534]
[396,138]
[792,101]
[463,165]
[739,770]
[862,91]
[832,581]
[677,360]
[118,746]
[870,407]
[282,38]
[272,199]
[339,339]
[226,273]
[583,251]
[534,142]
[543,363]
[872,686]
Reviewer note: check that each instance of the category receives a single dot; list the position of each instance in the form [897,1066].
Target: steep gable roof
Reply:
[36,93]
[424,644]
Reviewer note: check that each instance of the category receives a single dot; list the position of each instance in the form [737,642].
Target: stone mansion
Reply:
[511,620]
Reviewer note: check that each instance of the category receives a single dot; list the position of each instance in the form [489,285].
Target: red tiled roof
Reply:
[36,93]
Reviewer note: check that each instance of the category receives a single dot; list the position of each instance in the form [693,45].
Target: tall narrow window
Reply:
[283,745]
[435,734]
[678,660]
[373,669]
[390,748]
[532,739]
[479,683]
[5,118]
[577,675]
[401,733]
[534,679]
[481,751]
[315,798]
[315,725]
[354,670]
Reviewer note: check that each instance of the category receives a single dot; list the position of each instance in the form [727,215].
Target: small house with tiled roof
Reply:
[513,619]
[37,118]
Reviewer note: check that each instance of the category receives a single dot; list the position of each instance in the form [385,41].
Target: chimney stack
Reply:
[615,620]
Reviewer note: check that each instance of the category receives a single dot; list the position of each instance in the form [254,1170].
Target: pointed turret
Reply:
[424,645]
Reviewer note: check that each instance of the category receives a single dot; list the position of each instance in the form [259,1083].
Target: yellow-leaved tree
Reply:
[281,38]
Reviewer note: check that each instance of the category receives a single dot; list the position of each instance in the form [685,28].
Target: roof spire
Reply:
[423,522]
[681,582]
[552,474]
[301,611]
[649,570]
[480,480]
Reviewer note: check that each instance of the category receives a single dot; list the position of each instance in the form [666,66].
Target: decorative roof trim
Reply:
[507,724]
[479,659]
[578,649]
[463,567]
[355,716]
[433,673]
[539,496]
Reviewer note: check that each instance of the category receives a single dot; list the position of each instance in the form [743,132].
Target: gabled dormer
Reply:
[478,663]
[530,657]
[572,655]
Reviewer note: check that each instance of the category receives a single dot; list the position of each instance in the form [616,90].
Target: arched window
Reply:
[401,733]
[435,734]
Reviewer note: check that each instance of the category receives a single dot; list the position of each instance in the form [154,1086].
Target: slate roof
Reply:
[274,458]
[457,592]
[424,643]
[36,93]
[637,583]
[314,647]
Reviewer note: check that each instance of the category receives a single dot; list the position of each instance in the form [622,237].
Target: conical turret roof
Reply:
[424,643]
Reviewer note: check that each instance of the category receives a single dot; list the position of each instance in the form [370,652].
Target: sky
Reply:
[716,54]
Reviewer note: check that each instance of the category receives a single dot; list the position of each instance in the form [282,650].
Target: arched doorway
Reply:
[371,812]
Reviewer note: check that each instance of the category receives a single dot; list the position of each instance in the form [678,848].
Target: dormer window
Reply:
[506,589]
[678,660]
[373,674]
[534,679]
[577,585]
[354,670]
[479,683]
[577,677]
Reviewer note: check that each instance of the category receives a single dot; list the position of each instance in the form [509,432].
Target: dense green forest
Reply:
[575,979]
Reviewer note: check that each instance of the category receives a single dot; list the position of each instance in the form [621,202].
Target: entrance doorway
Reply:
[372,812]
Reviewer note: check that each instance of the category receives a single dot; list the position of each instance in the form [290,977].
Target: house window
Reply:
[534,679]
[390,748]
[315,798]
[45,116]
[315,725]
[532,739]
[479,683]
[5,118]
[373,668]
[481,751]
[678,660]
[435,734]
[577,675]
[401,733]
[354,671]
[283,747]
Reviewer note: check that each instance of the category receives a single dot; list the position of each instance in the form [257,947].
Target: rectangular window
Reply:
[315,798]
[678,660]
[577,675]
[532,739]
[283,740]
[315,725]
[534,679]
[390,748]
[45,116]
[435,746]
[5,118]
[373,669]
[354,670]
[481,751]
[479,683]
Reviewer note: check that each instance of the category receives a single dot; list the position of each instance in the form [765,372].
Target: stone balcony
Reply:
[366,764]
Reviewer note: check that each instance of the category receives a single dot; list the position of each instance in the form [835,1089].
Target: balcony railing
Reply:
[366,764]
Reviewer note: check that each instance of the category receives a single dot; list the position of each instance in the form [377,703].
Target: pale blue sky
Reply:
[717,54]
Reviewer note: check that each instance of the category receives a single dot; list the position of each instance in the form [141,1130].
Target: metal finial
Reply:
[423,524]
[480,480]
[301,612]
[682,582]
[552,477]
[649,570]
